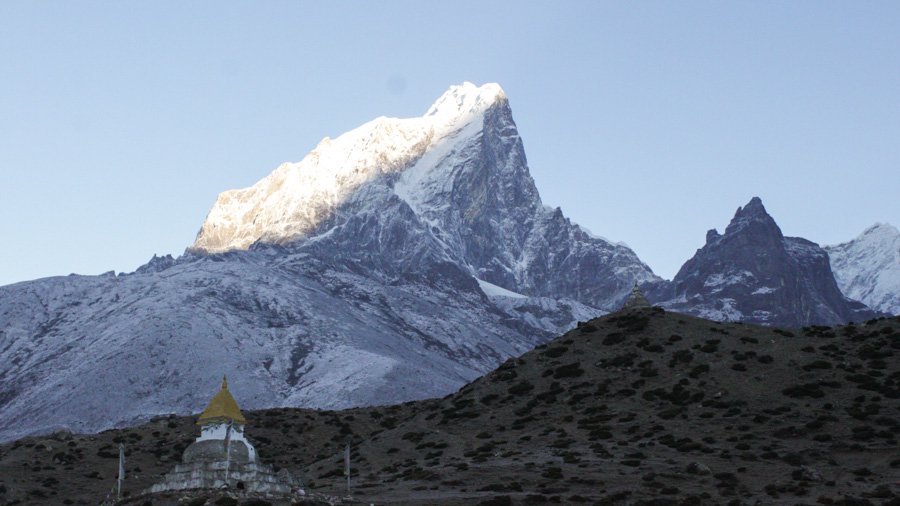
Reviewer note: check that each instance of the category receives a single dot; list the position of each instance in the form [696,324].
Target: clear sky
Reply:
[647,122]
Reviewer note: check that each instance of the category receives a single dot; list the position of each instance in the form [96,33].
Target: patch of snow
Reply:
[801,249]
[600,237]
[556,316]
[492,290]
[731,278]
[727,313]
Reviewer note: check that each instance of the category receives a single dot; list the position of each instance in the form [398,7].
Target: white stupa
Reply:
[637,299]
[222,457]
[220,417]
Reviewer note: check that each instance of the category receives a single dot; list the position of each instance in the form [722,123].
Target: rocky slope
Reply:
[752,273]
[868,267]
[639,407]
[90,353]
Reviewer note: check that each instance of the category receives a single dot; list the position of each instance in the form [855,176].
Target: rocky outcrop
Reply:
[752,273]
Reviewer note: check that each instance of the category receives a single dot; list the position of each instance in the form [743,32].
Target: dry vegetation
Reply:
[640,407]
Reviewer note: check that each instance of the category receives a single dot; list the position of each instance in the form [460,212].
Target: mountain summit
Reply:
[452,186]
[298,197]
[753,222]
[753,273]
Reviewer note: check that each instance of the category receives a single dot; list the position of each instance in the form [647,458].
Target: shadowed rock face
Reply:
[752,273]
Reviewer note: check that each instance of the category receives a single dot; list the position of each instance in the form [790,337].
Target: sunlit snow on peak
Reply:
[295,198]
[466,99]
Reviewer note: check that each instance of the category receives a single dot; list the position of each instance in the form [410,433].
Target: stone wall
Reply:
[251,477]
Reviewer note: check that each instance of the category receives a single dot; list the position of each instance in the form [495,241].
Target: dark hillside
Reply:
[636,407]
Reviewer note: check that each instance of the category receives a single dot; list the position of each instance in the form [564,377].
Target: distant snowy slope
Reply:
[93,352]
[868,267]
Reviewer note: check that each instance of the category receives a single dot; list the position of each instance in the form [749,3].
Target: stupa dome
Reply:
[222,408]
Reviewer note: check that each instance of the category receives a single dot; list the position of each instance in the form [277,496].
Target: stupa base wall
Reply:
[251,477]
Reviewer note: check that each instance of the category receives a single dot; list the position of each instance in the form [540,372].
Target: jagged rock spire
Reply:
[637,299]
[753,273]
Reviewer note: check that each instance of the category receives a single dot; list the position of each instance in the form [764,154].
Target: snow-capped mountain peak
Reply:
[466,99]
[414,255]
[452,185]
[881,232]
[868,267]
[293,200]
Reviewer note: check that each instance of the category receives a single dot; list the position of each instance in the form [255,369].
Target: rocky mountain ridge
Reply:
[753,273]
[450,186]
[90,353]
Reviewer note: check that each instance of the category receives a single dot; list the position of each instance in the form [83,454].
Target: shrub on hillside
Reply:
[572,370]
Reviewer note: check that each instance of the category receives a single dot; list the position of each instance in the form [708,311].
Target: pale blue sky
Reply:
[647,122]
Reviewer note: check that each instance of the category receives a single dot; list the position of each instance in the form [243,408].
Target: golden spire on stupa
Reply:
[222,408]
